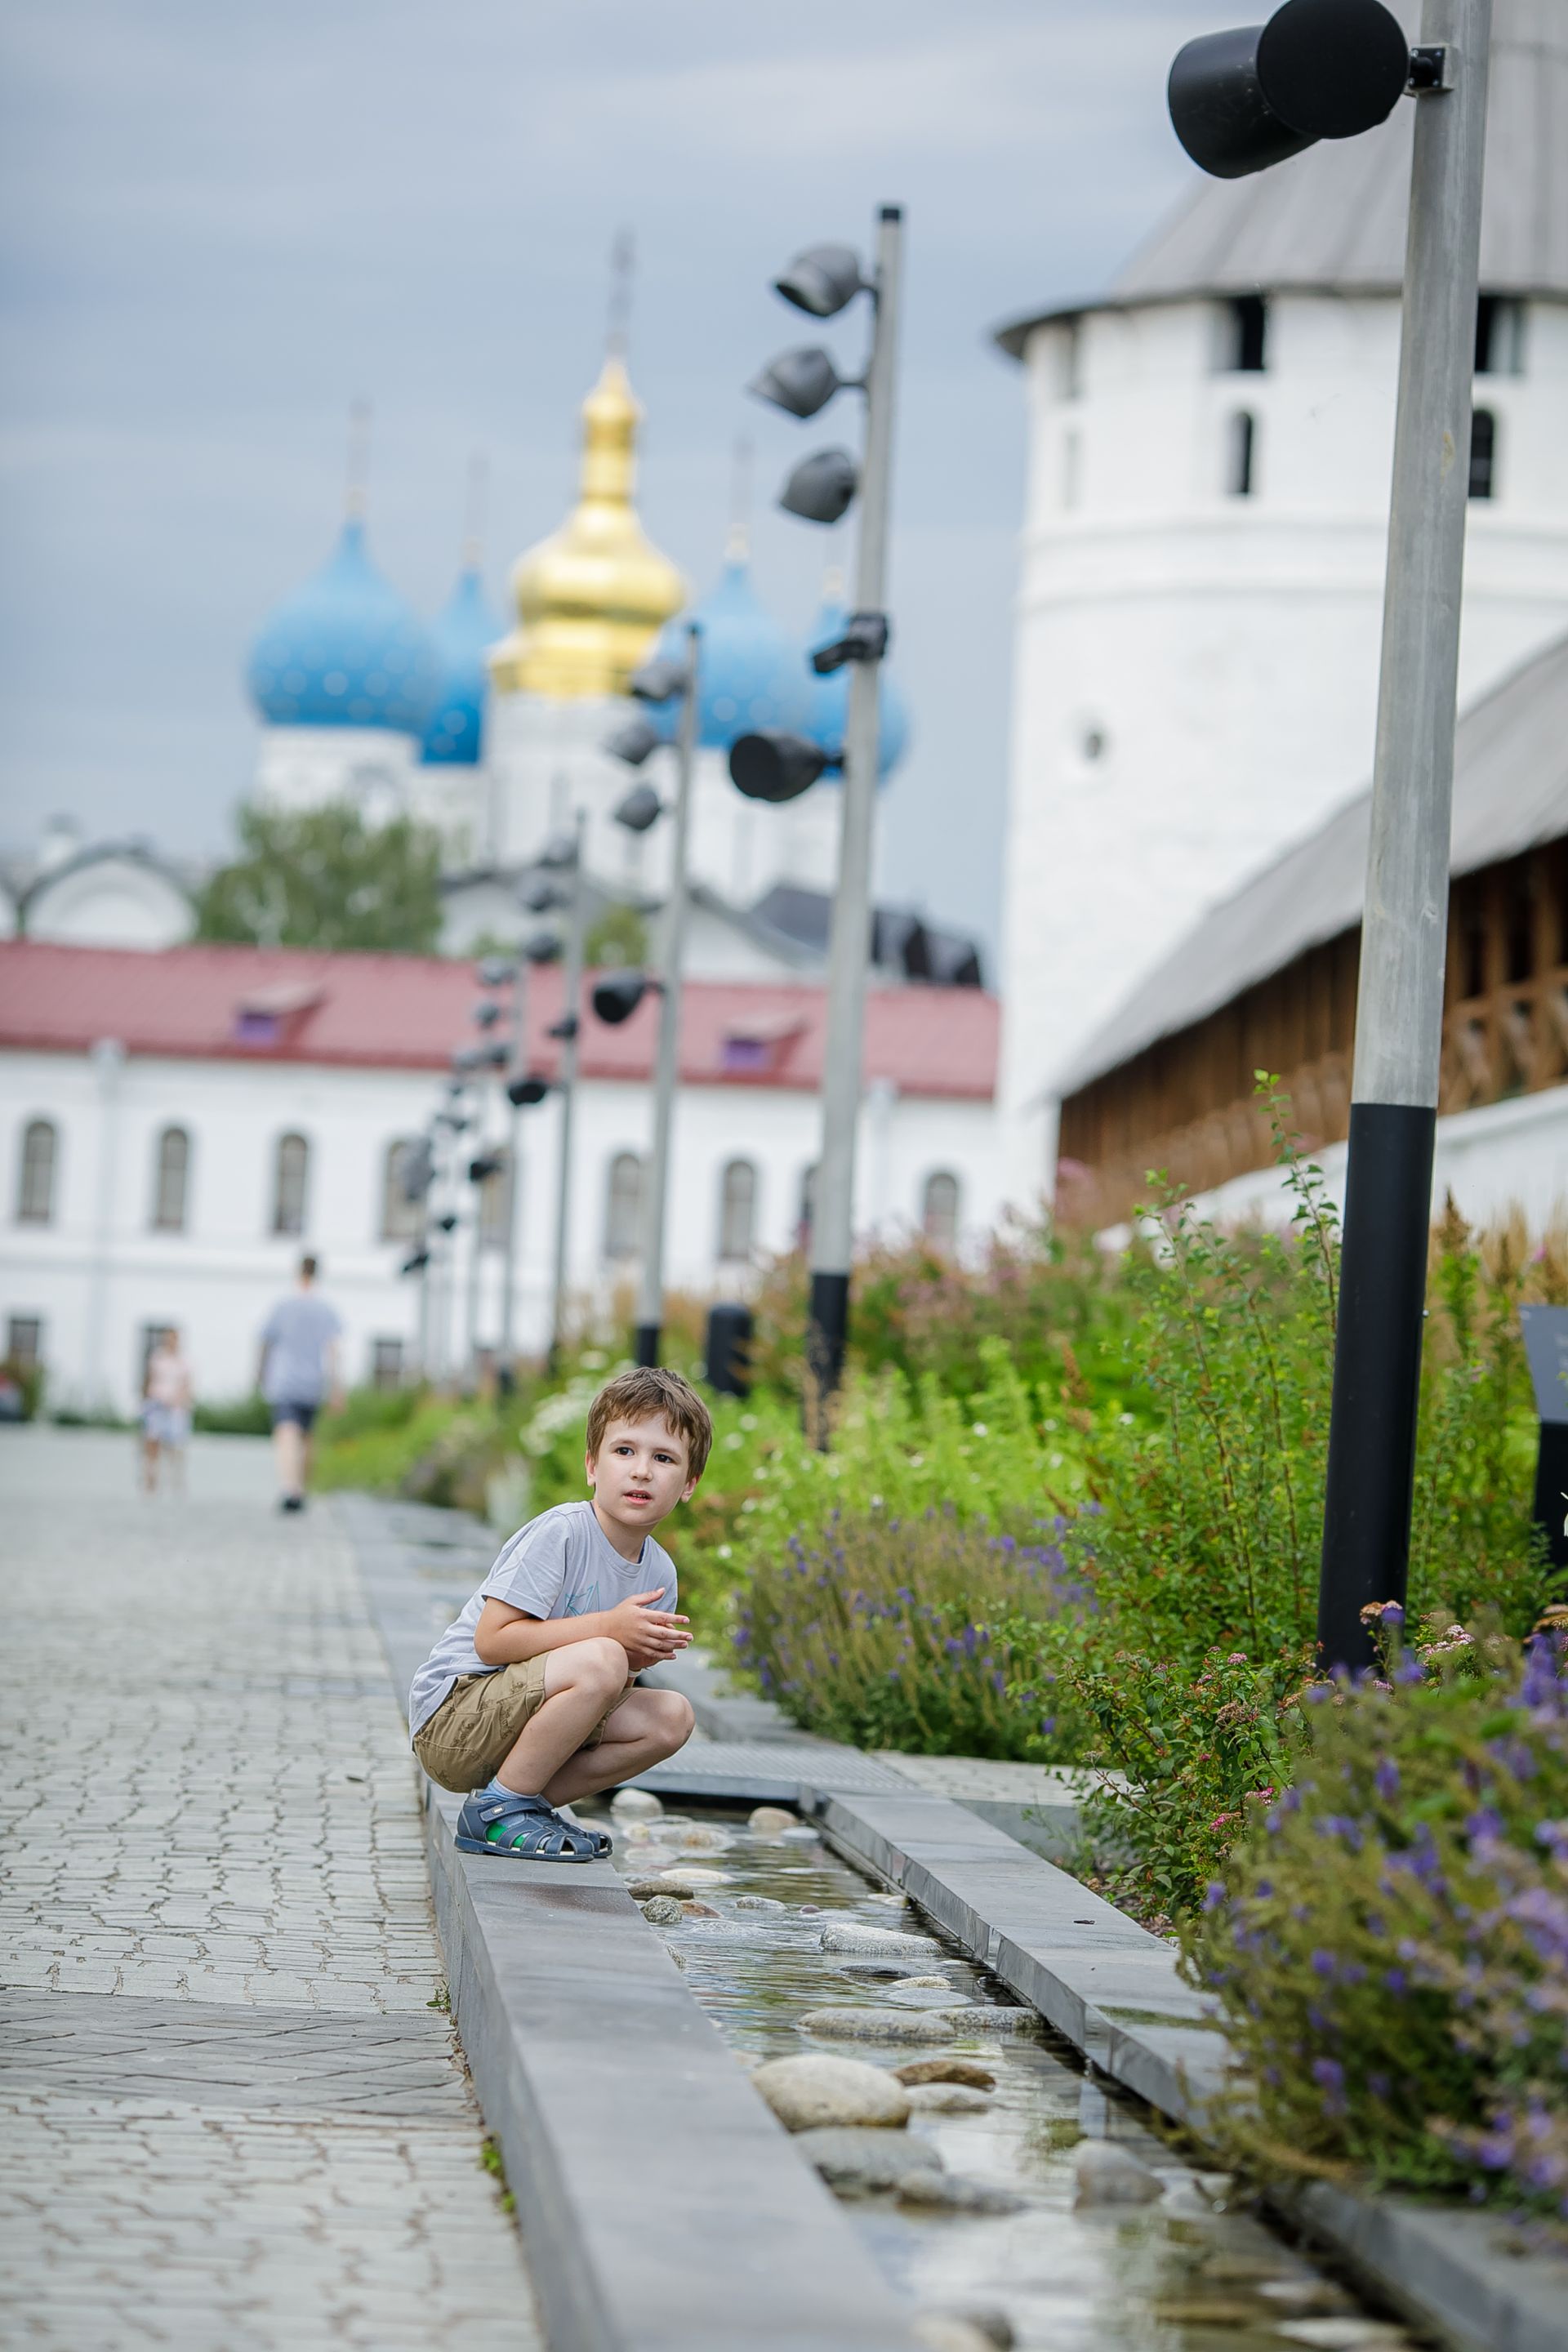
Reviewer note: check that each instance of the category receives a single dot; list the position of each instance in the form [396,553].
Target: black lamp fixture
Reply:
[617,995]
[415,1263]
[660,679]
[822,280]
[540,895]
[638,808]
[633,740]
[484,1165]
[772,765]
[822,487]
[1244,101]
[495,972]
[800,381]
[487,1012]
[526,1093]
[543,946]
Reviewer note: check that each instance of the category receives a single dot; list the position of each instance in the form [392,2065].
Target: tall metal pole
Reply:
[566,1079]
[516,1061]
[849,942]
[666,1068]
[474,1196]
[1399,1010]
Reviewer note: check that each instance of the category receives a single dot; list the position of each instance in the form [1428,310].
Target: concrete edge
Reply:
[661,2206]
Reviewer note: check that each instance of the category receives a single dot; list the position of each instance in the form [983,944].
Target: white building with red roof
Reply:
[177,1126]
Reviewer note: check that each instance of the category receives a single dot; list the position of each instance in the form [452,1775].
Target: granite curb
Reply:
[662,2207]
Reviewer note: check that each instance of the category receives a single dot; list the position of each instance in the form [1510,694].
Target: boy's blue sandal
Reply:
[525,1828]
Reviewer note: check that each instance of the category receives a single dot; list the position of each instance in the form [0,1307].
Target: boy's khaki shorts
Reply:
[476,1724]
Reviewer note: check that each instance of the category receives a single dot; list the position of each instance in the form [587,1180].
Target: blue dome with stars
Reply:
[753,675]
[345,651]
[827,699]
[461,633]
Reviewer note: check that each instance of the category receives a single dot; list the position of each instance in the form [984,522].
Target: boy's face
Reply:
[640,1471]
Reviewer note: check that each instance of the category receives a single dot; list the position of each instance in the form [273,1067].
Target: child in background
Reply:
[165,1412]
[527,1699]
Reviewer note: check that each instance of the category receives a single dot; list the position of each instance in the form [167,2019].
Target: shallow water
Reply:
[1188,2274]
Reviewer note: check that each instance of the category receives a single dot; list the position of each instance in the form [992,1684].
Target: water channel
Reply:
[1198,2270]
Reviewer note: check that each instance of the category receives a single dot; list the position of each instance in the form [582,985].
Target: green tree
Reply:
[323,878]
[618,938]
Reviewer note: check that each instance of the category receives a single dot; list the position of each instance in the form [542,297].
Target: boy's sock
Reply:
[499,1789]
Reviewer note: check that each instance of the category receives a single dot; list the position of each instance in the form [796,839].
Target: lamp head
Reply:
[821,488]
[619,995]
[495,972]
[559,855]
[487,1012]
[638,808]
[822,279]
[417,1263]
[771,765]
[542,946]
[1243,101]
[524,1093]
[484,1165]
[799,382]
[633,741]
[538,897]
[659,681]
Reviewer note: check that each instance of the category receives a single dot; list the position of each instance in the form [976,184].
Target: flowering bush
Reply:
[887,1632]
[1389,1943]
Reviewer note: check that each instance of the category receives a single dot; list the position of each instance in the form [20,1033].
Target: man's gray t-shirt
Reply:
[299,1331]
[562,1564]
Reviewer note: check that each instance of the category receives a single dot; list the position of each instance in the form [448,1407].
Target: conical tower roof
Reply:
[1333,219]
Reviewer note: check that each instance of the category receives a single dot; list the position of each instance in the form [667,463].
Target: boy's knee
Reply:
[602,1661]
[674,1720]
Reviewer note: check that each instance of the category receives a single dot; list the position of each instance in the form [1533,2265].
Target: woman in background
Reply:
[165,1412]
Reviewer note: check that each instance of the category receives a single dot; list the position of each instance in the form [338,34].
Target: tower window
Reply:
[1500,335]
[1483,454]
[171,1181]
[290,1179]
[737,1211]
[36,1176]
[939,1209]
[622,1210]
[1241,455]
[1247,337]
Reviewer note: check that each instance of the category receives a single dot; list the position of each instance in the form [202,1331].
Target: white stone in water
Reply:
[1348,2335]
[771,1821]
[947,2098]
[816,2089]
[802,1836]
[663,1911]
[700,1838]
[643,1890]
[878,2024]
[854,2160]
[980,2018]
[852,1935]
[940,2190]
[920,1984]
[1108,2175]
[695,1873]
[757,1903]
[636,1805]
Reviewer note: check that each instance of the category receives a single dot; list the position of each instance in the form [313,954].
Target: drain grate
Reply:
[775,1768]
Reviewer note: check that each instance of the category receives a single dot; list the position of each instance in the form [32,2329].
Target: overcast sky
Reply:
[221,224]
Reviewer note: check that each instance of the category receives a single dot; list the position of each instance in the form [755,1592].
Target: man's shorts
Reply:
[302,1415]
[476,1726]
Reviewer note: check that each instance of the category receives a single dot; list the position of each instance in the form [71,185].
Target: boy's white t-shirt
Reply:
[562,1564]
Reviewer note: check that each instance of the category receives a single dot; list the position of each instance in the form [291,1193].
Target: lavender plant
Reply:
[1389,1942]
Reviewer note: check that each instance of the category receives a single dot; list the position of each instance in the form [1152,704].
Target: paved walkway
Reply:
[229,2118]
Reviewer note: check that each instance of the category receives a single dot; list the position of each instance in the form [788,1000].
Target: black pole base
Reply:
[645,1345]
[1377,1374]
[828,1331]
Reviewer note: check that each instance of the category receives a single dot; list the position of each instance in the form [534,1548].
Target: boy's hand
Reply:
[647,1635]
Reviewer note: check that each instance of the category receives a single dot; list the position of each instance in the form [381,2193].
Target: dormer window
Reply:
[1500,335]
[1241,454]
[1245,350]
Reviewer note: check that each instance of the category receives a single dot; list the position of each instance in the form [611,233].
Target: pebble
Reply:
[698,1874]
[857,2162]
[698,1838]
[850,1936]
[814,2089]
[663,1911]
[990,2320]
[947,2098]
[1345,2335]
[636,1805]
[771,1821]
[1204,2311]
[919,1984]
[757,1903]
[645,1890]
[977,2018]
[942,2190]
[877,2024]
[1109,2175]
[941,2331]
[802,1836]
[698,1911]
[1301,2297]
[946,2070]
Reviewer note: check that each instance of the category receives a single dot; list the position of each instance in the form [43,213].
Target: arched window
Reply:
[171,1181]
[1241,454]
[495,1203]
[939,1209]
[290,1177]
[1483,454]
[401,1218]
[623,1214]
[36,1176]
[738,1211]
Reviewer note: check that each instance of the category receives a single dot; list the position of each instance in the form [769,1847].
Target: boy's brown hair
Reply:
[647,1391]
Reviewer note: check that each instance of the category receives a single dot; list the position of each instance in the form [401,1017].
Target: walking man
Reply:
[298,1370]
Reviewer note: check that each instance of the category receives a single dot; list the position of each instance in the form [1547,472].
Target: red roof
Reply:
[395,1012]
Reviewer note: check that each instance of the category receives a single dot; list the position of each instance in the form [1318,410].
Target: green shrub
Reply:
[378,1441]
[884,1631]
[1389,1943]
[246,1416]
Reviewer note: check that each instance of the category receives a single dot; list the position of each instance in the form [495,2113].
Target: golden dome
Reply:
[591,597]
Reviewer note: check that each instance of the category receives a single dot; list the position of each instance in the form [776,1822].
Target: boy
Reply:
[527,1699]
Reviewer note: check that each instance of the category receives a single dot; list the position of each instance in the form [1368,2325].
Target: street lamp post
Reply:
[567,856]
[1241,102]
[517,1048]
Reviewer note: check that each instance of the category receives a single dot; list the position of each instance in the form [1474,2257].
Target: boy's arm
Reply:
[504,1635]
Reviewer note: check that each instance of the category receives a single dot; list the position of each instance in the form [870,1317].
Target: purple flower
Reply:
[1324,1965]
[1397,1981]
[1214,1894]
[1386,1780]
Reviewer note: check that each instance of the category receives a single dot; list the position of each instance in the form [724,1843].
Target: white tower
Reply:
[1199,607]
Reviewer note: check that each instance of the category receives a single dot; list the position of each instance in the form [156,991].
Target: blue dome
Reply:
[461,633]
[828,697]
[345,651]
[752,676]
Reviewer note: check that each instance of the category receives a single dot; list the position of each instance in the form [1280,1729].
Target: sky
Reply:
[222,225]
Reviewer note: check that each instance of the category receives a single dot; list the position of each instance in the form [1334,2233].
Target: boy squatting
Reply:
[528,1699]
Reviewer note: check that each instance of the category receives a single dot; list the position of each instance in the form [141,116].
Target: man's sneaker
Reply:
[291,1503]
